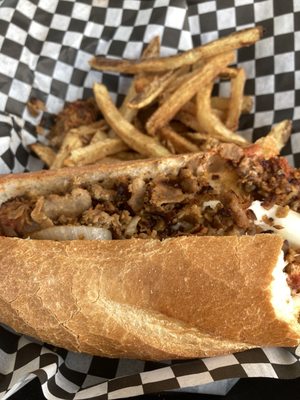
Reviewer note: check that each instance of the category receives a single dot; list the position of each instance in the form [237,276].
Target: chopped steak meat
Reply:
[179,203]
[75,114]
[273,181]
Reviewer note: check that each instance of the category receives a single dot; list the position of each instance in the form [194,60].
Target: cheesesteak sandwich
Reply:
[186,255]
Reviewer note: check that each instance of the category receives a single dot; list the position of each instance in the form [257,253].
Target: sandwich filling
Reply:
[227,196]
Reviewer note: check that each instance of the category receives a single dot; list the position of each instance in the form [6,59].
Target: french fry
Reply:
[179,143]
[128,155]
[210,123]
[143,80]
[228,73]
[229,43]
[271,144]
[152,90]
[221,114]
[98,135]
[152,50]
[94,152]
[188,120]
[71,141]
[127,132]
[202,140]
[194,83]
[222,103]
[45,153]
[236,100]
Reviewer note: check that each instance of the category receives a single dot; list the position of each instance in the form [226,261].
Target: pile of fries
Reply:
[169,108]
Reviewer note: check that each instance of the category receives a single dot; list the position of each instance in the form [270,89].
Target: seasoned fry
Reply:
[127,132]
[271,144]
[45,153]
[210,123]
[98,135]
[179,143]
[196,80]
[152,50]
[128,155]
[221,114]
[94,152]
[222,103]
[202,140]
[229,43]
[188,120]
[71,141]
[236,100]
[143,80]
[153,90]
[228,73]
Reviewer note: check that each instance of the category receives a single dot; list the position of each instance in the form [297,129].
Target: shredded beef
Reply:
[272,181]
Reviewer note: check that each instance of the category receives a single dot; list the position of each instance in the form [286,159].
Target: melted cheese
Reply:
[290,223]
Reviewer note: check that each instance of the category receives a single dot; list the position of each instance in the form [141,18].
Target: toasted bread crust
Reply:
[179,298]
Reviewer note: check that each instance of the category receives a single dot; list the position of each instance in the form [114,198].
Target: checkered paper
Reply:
[45,47]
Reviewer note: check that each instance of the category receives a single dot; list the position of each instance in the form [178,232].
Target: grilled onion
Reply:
[72,232]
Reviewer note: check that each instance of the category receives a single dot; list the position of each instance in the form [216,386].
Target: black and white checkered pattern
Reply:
[69,375]
[45,47]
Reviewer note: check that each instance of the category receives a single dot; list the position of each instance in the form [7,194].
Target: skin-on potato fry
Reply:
[152,50]
[221,114]
[195,82]
[98,135]
[179,143]
[236,100]
[228,73]
[94,152]
[45,153]
[188,120]
[71,141]
[152,90]
[271,144]
[126,131]
[210,123]
[202,140]
[229,43]
[222,103]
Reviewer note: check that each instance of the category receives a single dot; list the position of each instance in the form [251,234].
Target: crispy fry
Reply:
[221,114]
[229,43]
[228,73]
[127,132]
[178,81]
[202,140]
[98,135]
[179,143]
[143,80]
[45,153]
[153,90]
[236,100]
[271,144]
[71,141]
[222,103]
[94,152]
[128,155]
[152,50]
[196,80]
[209,122]
[188,120]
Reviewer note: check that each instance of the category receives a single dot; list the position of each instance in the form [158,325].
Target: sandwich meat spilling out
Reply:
[225,222]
